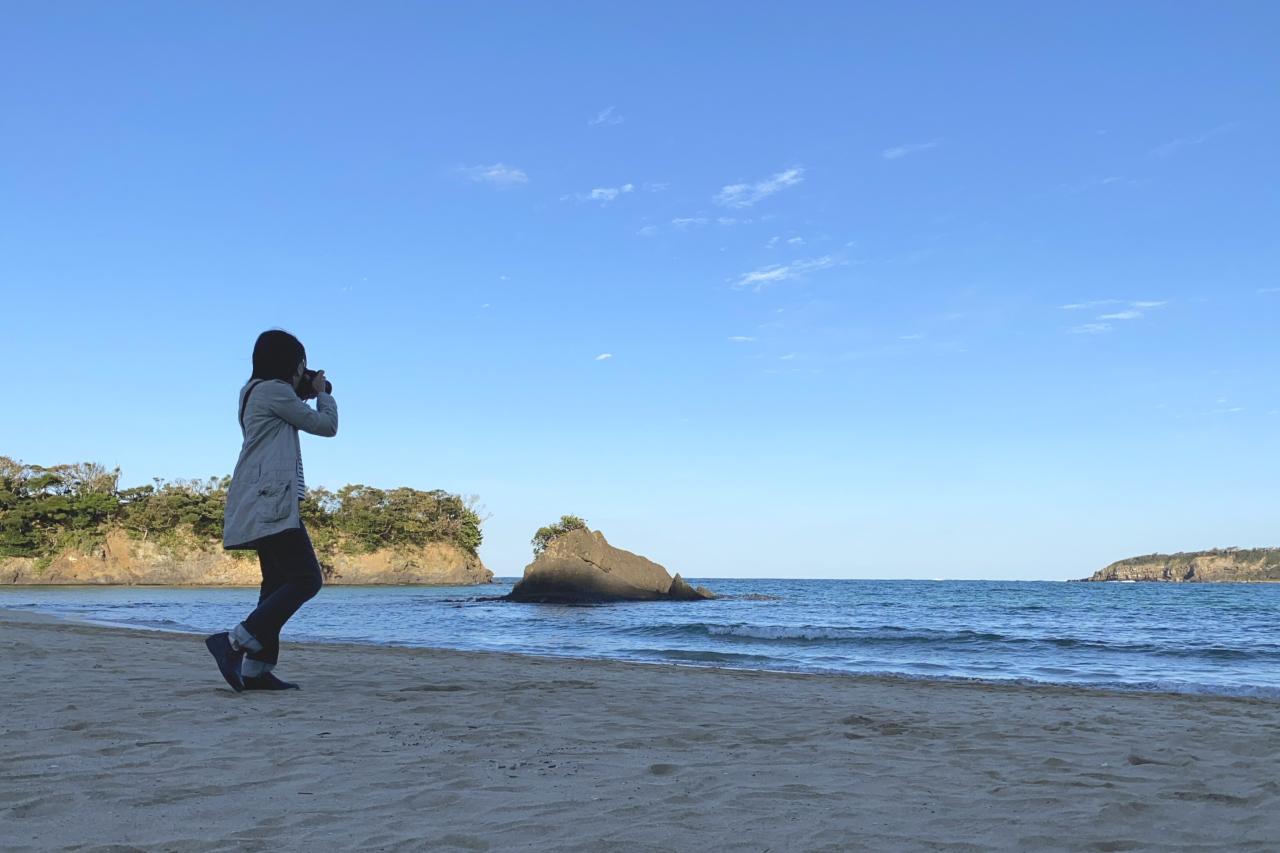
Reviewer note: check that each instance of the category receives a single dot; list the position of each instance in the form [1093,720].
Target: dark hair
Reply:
[276,355]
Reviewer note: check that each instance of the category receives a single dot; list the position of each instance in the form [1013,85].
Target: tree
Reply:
[546,535]
[43,510]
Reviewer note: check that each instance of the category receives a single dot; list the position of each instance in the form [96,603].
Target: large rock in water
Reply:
[1224,565]
[580,567]
[124,560]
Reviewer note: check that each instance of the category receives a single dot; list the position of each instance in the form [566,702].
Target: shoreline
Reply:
[877,677]
[1241,692]
[127,736]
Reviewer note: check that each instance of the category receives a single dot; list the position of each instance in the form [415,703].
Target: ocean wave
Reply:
[816,633]
[703,656]
[1181,650]
[809,633]
[896,635]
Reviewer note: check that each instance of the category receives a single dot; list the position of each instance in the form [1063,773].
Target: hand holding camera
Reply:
[312,384]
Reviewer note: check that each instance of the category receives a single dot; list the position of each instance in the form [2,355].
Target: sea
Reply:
[1189,638]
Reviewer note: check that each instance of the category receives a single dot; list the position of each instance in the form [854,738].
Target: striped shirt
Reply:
[302,483]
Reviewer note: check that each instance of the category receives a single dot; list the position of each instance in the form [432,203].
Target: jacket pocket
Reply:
[274,496]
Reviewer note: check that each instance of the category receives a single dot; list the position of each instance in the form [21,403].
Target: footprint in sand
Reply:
[859,721]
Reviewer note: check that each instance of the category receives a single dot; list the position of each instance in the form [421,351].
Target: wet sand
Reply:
[116,739]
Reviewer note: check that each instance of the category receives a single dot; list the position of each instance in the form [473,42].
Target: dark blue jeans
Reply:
[291,576]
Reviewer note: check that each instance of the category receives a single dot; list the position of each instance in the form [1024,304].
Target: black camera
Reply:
[305,390]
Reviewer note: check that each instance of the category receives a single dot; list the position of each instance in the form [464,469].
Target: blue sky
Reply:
[797,290]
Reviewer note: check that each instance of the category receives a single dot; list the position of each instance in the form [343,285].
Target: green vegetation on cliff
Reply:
[46,510]
[543,537]
[1185,559]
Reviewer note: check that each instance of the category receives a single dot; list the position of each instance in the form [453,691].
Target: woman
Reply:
[262,505]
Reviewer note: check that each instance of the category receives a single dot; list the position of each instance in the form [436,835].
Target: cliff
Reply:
[579,566]
[124,560]
[1227,565]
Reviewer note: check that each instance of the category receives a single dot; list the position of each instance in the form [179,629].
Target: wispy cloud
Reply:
[1224,407]
[601,194]
[761,278]
[741,339]
[1175,145]
[1095,183]
[745,195]
[1269,289]
[606,116]
[498,175]
[610,193]
[1134,309]
[1095,303]
[604,356]
[685,223]
[899,151]
[648,231]
[1105,322]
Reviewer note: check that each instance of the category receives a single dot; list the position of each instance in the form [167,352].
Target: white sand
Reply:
[114,739]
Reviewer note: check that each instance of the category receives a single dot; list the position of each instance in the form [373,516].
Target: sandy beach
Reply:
[116,739]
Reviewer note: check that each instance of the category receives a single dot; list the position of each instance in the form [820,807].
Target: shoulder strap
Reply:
[245,401]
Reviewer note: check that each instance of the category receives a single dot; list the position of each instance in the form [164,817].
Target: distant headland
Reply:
[1220,565]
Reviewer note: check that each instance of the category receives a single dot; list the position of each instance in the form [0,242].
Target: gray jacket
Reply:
[263,496]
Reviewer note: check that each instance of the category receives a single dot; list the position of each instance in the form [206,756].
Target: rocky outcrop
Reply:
[123,560]
[680,590]
[1226,565]
[581,567]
